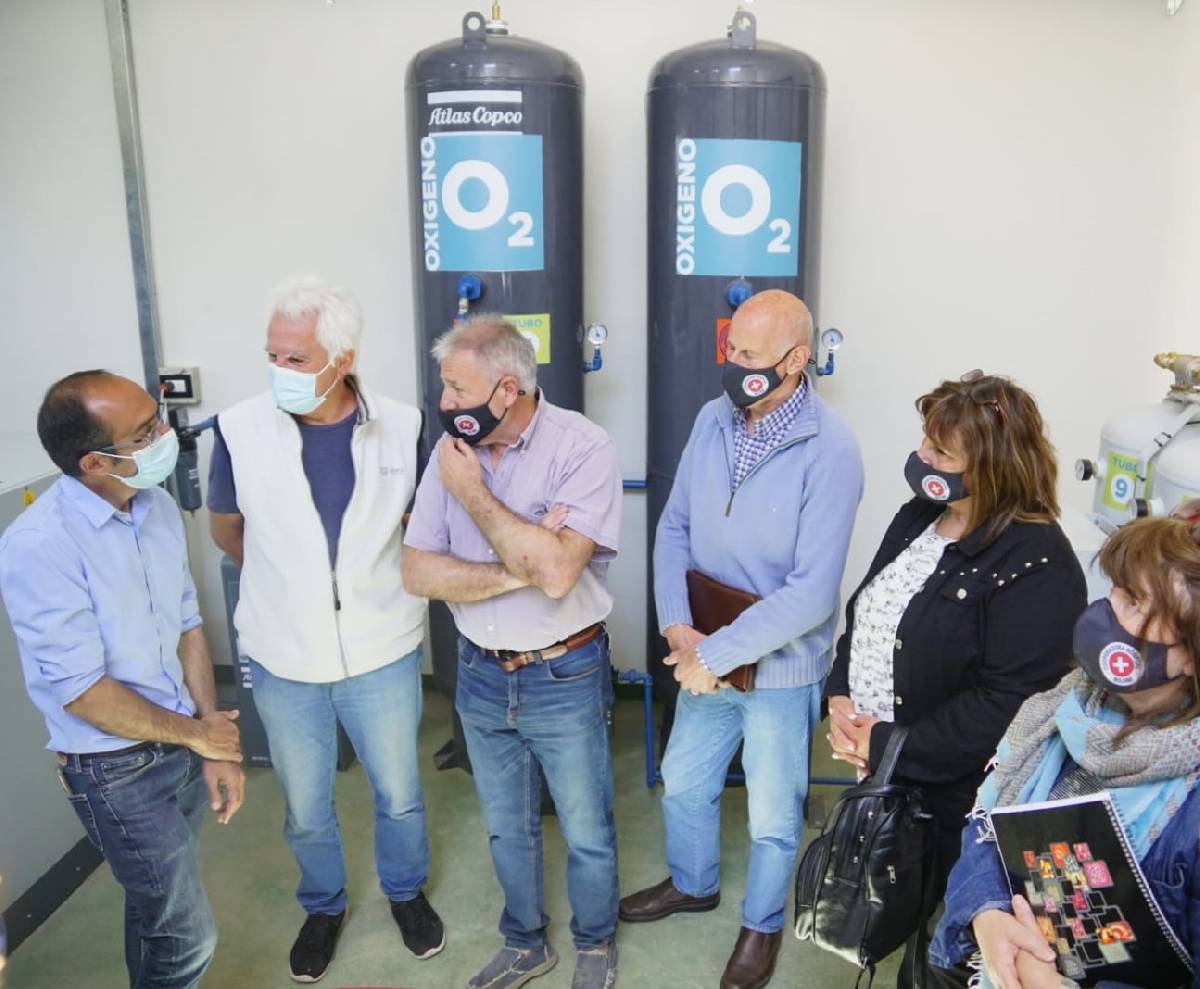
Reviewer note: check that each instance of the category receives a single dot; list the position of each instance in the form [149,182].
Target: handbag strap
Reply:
[891,755]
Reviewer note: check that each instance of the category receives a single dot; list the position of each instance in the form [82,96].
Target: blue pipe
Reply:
[637,676]
[470,287]
[596,363]
[737,292]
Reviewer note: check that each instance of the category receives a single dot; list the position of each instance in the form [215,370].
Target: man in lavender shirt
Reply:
[514,525]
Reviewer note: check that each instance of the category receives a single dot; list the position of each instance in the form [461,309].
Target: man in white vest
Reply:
[308,489]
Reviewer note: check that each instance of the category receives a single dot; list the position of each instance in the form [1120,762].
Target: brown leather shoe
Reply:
[656,902]
[753,960]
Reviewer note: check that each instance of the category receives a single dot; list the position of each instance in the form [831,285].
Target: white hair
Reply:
[339,320]
[499,345]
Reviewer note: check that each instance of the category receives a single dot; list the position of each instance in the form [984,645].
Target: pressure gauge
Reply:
[597,333]
[832,338]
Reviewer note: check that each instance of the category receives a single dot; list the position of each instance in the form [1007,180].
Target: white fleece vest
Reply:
[293,616]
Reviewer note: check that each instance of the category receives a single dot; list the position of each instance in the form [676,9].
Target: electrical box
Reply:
[180,385]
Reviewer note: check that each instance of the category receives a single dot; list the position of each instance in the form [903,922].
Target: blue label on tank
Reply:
[481,202]
[737,207]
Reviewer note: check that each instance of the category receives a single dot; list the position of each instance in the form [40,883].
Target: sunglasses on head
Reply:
[983,389]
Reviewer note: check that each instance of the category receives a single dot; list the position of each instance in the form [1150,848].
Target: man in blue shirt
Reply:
[95,580]
[775,523]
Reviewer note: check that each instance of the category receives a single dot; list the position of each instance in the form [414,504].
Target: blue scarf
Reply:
[1030,759]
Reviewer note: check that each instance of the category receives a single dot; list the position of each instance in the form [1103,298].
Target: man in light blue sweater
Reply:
[764,501]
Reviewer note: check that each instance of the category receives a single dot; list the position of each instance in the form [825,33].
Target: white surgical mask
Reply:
[296,391]
[154,464]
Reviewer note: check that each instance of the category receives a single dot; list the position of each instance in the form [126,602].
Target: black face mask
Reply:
[933,485]
[1109,656]
[474,424]
[745,386]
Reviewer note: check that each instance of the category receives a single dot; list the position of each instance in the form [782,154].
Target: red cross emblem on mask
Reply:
[756,384]
[1120,664]
[935,487]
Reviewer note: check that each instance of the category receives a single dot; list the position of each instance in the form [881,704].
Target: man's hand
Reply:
[216,737]
[691,674]
[226,784]
[555,520]
[850,734]
[1001,939]
[459,466]
[682,637]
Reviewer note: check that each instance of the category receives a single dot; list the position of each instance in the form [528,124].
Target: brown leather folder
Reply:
[715,605]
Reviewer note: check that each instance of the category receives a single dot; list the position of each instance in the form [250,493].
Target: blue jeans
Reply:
[380,711]
[552,714]
[142,810]
[776,726]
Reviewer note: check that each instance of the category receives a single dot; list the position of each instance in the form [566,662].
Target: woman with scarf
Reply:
[965,612]
[1137,737]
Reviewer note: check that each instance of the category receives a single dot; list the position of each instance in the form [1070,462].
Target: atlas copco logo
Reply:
[935,488]
[1121,664]
[755,385]
[467,425]
[481,116]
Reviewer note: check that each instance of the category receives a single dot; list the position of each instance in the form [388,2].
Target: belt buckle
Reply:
[506,655]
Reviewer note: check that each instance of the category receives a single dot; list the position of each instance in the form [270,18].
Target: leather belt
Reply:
[63,756]
[511,661]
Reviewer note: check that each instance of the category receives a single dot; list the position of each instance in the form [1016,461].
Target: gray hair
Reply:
[497,344]
[339,320]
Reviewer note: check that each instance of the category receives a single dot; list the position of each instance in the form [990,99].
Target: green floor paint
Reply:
[250,877]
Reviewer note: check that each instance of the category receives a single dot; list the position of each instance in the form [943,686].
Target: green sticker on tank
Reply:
[1120,480]
[535,327]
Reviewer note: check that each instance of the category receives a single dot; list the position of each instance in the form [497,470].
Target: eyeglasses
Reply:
[982,389]
[144,438]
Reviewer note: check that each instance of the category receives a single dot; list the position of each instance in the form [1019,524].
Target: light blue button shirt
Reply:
[92,591]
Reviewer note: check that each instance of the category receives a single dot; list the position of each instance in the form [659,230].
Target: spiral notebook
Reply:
[1073,862]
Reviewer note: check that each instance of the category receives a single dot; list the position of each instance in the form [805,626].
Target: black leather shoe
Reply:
[662,900]
[753,960]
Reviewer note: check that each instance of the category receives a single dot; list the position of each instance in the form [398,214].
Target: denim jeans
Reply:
[142,810]
[380,711]
[552,714]
[776,725]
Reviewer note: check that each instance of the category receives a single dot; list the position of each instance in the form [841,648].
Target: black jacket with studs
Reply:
[991,626]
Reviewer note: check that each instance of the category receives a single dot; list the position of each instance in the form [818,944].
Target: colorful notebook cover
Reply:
[1072,861]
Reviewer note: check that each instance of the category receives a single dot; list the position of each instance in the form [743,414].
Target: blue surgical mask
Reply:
[296,391]
[154,464]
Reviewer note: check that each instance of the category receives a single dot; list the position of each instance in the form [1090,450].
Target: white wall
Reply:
[1007,186]
[66,281]
[67,293]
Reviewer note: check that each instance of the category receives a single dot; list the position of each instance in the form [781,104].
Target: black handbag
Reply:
[863,885]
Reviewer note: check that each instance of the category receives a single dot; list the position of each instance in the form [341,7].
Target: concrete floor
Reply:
[250,878]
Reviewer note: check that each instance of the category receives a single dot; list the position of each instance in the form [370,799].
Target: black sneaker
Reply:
[420,926]
[313,950]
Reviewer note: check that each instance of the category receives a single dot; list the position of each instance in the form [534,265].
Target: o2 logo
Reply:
[737,207]
[481,202]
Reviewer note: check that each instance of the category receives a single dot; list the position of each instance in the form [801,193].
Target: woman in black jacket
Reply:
[966,611]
